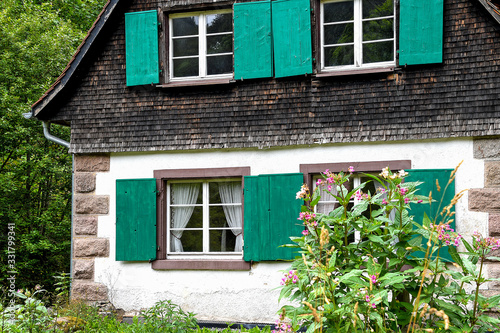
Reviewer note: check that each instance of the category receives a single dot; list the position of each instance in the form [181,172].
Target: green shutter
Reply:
[135,219]
[252,40]
[429,178]
[270,217]
[292,37]
[141,48]
[420,32]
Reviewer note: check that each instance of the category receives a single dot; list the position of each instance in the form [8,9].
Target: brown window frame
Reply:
[162,262]
[309,170]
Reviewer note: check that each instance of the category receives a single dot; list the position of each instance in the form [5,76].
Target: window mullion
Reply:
[356,183]
[206,240]
[358,33]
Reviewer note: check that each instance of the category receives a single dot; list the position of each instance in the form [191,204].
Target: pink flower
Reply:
[403,191]
[385,202]
[367,298]
[359,195]
[350,169]
[373,305]
[420,201]
[305,232]
[373,278]
[407,200]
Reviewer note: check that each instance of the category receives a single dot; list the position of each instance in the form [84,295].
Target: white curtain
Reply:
[182,194]
[230,193]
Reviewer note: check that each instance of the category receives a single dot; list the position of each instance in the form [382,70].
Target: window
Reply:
[201,45]
[204,217]
[357,34]
[328,202]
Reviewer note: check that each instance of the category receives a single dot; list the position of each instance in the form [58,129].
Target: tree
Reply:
[37,39]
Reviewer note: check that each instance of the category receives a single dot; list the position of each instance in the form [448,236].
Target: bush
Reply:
[378,283]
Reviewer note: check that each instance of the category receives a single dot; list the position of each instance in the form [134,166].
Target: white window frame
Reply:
[202,46]
[356,178]
[205,254]
[358,39]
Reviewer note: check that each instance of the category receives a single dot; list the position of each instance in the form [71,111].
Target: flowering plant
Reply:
[359,269]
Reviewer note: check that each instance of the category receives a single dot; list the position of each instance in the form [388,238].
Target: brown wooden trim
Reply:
[202,264]
[179,6]
[193,83]
[168,174]
[316,6]
[356,71]
[201,173]
[373,166]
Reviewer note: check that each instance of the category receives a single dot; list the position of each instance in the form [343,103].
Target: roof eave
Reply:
[39,106]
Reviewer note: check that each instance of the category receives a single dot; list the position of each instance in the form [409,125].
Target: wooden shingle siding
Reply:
[454,99]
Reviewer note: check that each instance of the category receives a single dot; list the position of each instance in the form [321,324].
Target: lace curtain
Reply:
[182,194]
[230,193]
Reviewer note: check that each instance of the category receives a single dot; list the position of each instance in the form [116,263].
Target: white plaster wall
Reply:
[251,296]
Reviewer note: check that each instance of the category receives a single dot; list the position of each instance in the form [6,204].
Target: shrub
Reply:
[376,282]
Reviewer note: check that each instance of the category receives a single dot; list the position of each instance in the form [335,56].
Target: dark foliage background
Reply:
[37,39]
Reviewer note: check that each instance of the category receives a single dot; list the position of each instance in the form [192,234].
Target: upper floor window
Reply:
[357,34]
[201,45]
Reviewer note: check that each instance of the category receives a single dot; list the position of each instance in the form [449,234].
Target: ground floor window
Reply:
[204,216]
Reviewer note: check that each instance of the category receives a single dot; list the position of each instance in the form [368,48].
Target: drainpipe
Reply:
[50,137]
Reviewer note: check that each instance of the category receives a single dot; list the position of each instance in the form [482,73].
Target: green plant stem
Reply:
[478,283]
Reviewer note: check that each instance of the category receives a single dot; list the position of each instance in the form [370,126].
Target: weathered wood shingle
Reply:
[459,98]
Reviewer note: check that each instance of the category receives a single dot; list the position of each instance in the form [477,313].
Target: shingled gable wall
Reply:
[86,244]
[454,99]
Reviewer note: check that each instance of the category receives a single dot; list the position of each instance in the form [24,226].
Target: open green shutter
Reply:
[420,32]
[429,178]
[292,37]
[252,40]
[141,48]
[135,219]
[270,217]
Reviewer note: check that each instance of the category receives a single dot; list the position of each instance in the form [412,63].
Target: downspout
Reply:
[50,137]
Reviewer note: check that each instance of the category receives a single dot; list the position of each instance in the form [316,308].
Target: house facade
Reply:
[195,122]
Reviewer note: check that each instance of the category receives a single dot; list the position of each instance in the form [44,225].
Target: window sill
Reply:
[193,83]
[194,264]
[356,71]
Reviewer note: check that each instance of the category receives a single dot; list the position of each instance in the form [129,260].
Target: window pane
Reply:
[178,216]
[185,193]
[378,29]
[378,52]
[186,67]
[185,26]
[192,240]
[213,190]
[219,23]
[222,240]
[377,8]
[185,46]
[217,218]
[339,33]
[220,64]
[220,44]
[338,11]
[340,55]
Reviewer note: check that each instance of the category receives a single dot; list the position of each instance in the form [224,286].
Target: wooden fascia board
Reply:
[38,107]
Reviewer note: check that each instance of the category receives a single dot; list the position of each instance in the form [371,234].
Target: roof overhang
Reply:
[39,106]
[493,7]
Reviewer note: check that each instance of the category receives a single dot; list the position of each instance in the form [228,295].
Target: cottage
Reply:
[194,123]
